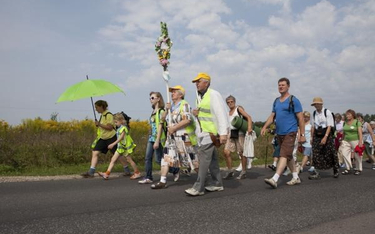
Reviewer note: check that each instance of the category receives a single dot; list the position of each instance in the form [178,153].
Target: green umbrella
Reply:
[89,89]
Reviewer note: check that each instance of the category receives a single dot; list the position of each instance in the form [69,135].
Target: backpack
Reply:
[127,119]
[333,129]
[291,105]
[105,117]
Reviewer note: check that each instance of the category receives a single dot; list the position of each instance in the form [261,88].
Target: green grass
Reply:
[40,148]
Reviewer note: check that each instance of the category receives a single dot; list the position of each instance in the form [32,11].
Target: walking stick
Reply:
[92,102]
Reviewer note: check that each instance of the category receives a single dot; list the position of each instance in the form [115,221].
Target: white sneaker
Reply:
[271,182]
[176,177]
[249,161]
[193,192]
[239,168]
[287,172]
[145,181]
[214,188]
[294,181]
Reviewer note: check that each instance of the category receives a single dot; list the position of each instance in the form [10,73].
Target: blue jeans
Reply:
[148,159]
[159,155]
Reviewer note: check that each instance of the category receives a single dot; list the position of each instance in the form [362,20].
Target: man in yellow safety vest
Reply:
[214,125]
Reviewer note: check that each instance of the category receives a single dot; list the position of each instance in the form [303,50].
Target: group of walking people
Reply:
[184,139]
[325,139]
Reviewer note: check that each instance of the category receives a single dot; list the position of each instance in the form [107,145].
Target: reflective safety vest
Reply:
[163,129]
[127,144]
[190,129]
[205,117]
[99,131]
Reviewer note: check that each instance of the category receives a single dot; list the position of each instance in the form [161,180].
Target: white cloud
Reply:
[292,45]
[286,4]
[326,49]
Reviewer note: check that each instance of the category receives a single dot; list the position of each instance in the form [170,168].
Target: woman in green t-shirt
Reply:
[352,137]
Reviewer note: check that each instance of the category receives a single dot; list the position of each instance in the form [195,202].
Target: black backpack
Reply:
[333,129]
[291,105]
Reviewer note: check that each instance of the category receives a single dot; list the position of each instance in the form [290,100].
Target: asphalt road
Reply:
[119,205]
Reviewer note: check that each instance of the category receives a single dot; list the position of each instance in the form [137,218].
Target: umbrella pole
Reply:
[92,102]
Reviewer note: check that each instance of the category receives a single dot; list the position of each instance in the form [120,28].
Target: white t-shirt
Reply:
[321,121]
[340,126]
[307,135]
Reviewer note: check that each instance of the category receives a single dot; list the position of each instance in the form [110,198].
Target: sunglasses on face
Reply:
[152,98]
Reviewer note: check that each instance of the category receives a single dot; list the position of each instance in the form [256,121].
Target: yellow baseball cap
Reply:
[202,76]
[177,87]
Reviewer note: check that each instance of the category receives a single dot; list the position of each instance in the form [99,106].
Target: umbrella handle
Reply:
[92,102]
[93,108]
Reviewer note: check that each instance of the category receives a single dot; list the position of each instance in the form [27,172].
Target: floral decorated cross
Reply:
[163,46]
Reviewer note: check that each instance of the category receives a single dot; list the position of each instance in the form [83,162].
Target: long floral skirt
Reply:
[324,156]
[180,154]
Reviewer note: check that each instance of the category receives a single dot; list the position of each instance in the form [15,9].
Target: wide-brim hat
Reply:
[201,75]
[177,87]
[317,100]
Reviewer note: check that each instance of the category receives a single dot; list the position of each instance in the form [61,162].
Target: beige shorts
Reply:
[235,145]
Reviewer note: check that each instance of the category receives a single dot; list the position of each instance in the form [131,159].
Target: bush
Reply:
[41,143]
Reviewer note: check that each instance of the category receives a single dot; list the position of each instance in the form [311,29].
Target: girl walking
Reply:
[307,144]
[125,147]
[157,136]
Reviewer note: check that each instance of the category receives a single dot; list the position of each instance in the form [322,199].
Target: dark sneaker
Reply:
[127,173]
[346,172]
[228,175]
[272,167]
[87,175]
[336,174]
[315,176]
[186,172]
[159,185]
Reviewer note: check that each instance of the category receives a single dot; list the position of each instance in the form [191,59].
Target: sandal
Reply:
[346,172]
[357,173]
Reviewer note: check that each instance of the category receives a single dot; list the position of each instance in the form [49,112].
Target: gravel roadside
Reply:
[11,179]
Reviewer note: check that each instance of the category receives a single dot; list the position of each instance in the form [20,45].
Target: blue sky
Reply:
[326,48]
